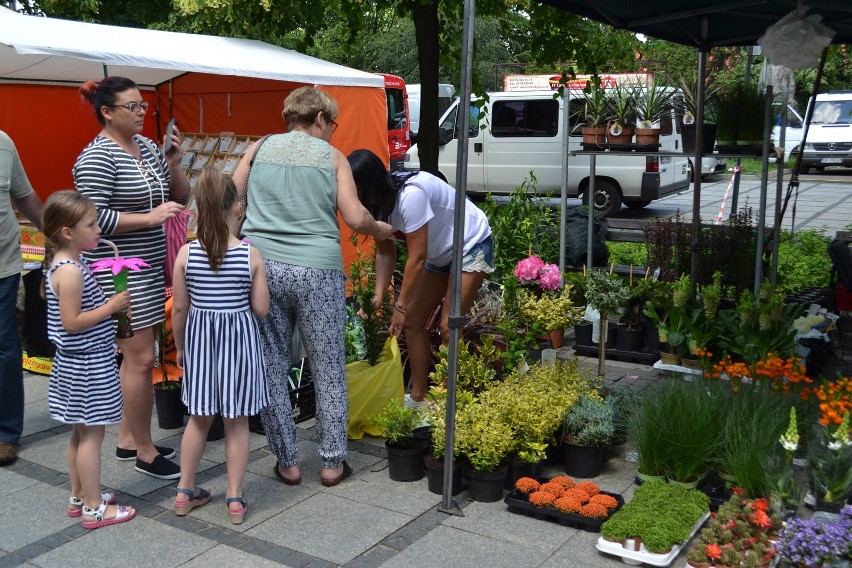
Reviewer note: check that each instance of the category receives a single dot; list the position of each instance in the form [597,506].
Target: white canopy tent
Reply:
[47,49]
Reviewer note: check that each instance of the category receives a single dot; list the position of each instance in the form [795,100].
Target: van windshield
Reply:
[832,112]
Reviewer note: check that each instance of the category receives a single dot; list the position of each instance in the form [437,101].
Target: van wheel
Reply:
[607,198]
[637,204]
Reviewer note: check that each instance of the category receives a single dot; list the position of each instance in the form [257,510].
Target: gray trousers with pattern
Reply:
[314,300]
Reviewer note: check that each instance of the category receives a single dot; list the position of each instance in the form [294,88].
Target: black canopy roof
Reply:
[736,22]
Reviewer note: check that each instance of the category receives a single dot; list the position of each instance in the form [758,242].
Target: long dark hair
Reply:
[377,188]
[215,195]
[105,93]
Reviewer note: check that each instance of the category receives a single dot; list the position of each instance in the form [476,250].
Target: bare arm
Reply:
[180,303]
[354,214]
[30,206]
[67,282]
[385,262]
[259,299]
[417,246]
[240,176]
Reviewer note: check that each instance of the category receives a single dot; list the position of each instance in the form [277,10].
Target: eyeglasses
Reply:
[133,107]
[333,126]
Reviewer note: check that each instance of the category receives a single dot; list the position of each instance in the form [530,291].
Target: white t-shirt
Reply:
[426,199]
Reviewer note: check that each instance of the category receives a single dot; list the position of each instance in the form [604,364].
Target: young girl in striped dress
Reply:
[84,390]
[218,282]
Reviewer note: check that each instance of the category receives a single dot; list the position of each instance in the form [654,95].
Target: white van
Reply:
[446,93]
[829,140]
[524,132]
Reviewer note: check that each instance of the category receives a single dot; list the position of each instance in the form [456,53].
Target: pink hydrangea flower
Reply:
[549,277]
[528,269]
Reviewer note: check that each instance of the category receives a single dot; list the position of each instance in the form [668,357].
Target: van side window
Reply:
[520,119]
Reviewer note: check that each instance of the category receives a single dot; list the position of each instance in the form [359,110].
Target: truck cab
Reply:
[399,133]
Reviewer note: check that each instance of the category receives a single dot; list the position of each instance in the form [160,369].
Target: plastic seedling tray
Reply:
[643,556]
[519,503]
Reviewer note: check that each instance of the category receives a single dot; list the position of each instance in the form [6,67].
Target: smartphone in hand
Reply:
[170,128]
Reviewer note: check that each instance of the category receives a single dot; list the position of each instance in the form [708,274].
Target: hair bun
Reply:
[88,90]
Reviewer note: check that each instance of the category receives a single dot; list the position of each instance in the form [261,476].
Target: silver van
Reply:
[524,132]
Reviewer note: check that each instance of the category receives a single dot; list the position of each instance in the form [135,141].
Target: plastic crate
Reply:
[302,394]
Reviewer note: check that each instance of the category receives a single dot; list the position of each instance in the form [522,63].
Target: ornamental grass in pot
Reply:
[690,420]
[644,431]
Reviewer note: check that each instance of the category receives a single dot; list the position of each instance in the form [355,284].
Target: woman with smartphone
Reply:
[136,188]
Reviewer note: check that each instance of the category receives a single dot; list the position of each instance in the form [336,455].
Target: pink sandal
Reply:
[237,515]
[182,508]
[75,508]
[123,514]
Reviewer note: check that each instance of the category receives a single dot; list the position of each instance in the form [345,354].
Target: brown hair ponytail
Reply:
[215,195]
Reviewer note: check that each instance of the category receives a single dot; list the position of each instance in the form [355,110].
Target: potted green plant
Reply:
[622,111]
[645,434]
[595,113]
[549,303]
[589,426]
[830,465]
[434,459]
[652,103]
[485,440]
[167,392]
[605,293]
[405,453]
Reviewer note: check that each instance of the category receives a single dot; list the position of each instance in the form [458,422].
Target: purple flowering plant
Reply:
[809,542]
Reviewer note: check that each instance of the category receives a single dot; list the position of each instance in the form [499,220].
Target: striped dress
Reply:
[223,361]
[119,183]
[84,387]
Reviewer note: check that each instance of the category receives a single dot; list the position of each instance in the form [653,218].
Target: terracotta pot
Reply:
[648,135]
[594,136]
[556,337]
[669,358]
[698,564]
[626,137]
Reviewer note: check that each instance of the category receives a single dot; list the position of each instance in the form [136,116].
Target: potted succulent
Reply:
[686,107]
[595,112]
[696,556]
[405,452]
[589,426]
[622,110]
[652,103]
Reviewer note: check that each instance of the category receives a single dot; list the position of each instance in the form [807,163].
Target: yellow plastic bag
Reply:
[370,388]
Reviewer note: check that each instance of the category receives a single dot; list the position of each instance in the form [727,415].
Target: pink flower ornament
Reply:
[528,269]
[117,264]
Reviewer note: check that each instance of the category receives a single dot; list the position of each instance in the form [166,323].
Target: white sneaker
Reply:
[414,404]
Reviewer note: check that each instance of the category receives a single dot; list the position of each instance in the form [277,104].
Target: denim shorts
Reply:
[479,259]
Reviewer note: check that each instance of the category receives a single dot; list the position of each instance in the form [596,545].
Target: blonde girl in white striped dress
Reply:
[219,281]
[84,389]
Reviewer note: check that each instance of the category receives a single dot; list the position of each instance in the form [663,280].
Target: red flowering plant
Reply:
[119,267]
[550,306]
[741,527]
[783,374]
[560,492]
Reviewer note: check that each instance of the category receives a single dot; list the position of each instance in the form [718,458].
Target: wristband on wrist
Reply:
[399,308]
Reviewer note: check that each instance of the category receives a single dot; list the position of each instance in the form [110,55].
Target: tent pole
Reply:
[779,185]
[456,320]
[563,202]
[764,178]
[696,165]
[735,193]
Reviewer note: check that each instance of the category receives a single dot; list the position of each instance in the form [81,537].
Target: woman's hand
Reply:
[397,322]
[163,212]
[383,232]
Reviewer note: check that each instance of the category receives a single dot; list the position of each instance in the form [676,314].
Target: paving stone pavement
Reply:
[366,521]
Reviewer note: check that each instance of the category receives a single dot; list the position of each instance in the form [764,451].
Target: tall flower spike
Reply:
[790,439]
[840,437]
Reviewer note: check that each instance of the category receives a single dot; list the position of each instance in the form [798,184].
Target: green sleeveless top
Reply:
[292,202]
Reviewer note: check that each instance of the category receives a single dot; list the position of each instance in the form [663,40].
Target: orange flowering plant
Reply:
[779,372]
[834,399]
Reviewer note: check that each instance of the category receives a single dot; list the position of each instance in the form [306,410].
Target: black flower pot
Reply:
[435,475]
[583,334]
[628,339]
[611,335]
[553,453]
[170,409]
[652,338]
[406,463]
[518,468]
[582,461]
[486,486]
